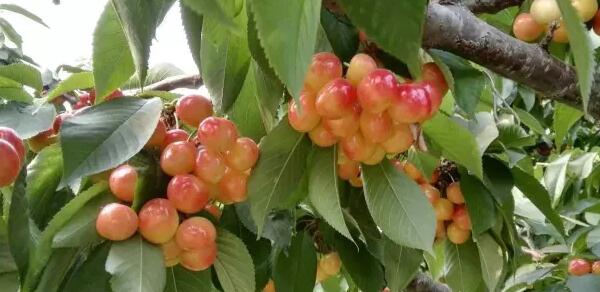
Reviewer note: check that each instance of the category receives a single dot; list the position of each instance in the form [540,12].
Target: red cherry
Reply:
[217,134]
[457,235]
[336,99]
[116,222]
[357,148]
[196,233]
[199,260]
[187,193]
[158,220]
[344,126]
[58,120]
[303,117]
[174,135]
[178,158]
[193,109]
[579,267]
[324,67]
[209,166]
[461,217]
[433,74]
[158,136]
[10,163]
[233,187]
[526,28]
[377,128]
[377,90]
[596,268]
[114,95]
[411,105]
[596,23]
[122,182]
[360,66]
[322,137]
[243,155]
[400,141]
[12,137]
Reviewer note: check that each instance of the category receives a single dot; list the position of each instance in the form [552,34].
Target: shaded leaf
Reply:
[363,268]
[401,264]
[90,275]
[233,265]
[462,269]
[56,270]
[20,235]
[564,118]
[588,282]
[150,180]
[26,120]
[180,279]
[74,81]
[214,9]
[479,203]
[295,269]
[342,35]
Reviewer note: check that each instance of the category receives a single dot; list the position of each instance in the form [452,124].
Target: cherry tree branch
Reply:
[192,81]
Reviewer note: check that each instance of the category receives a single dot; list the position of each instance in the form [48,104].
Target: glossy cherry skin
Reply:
[158,220]
[336,99]
[178,158]
[324,67]
[158,136]
[411,105]
[526,28]
[193,109]
[303,115]
[196,233]
[174,135]
[12,137]
[377,90]
[579,267]
[217,134]
[116,222]
[187,193]
[360,66]
[10,163]
[122,182]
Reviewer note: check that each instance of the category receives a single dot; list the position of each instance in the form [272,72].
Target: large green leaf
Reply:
[583,283]
[24,74]
[270,93]
[278,224]
[20,10]
[364,269]
[15,94]
[74,81]
[398,206]
[379,20]
[192,24]
[538,195]
[491,258]
[180,279]
[215,9]
[295,269]
[247,111]
[462,269]
[59,265]
[43,250]
[9,281]
[401,264]
[90,275]
[26,120]
[90,146]
[44,174]
[20,235]
[139,19]
[456,143]
[278,172]
[342,35]
[479,201]
[564,118]
[113,63]
[233,265]
[581,48]
[136,265]
[288,32]
[324,189]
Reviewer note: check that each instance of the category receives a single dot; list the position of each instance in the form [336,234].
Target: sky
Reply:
[72,23]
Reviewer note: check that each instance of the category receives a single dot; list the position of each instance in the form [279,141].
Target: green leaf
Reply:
[26,120]
[158,72]
[24,74]
[180,279]
[80,231]
[555,176]
[278,172]
[22,11]
[15,94]
[538,195]
[91,147]
[588,282]
[295,269]
[43,251]
[192,24]
[479,203]
[491,258]
[9,281]
[288,33]
[342,35]
[44,174]
[136,265]
[270,93]
[528,274]
[233,265]
[139,19]
[456,142]
[9,31]
[20,236]
[90,275]
[483,127]
[56,270]
[215,9]
[581,48]
[364,269]
[425,162]
[151,180]
[462,269]
[379,19]
[564,118]
[530,121]
[401,264]
[512,135]
[113,63]
[278,225]
[247,111]
[74,81]
[398,206]
[324,189]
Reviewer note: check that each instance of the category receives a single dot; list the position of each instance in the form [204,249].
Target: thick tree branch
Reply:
[192,81]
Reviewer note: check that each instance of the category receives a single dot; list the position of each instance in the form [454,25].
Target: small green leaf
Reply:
[192,24]
[555,176]
[462,268]
[278,172]
[90,275]
[364,269]
[457,143]
[233,265]
[564,118]
[180,279]
[20,10]
[136,265]
[324,189]
[113,63]
[26,120]
[288,33]
[91,147]
[75,81]
[295,269]
[24,74]
[530,121]
[20,235]
[379,20]
[491,258]
[398,206]
[479,201]
[401,264]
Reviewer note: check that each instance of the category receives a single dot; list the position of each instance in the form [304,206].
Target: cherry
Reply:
[174,135]
[232,187]
[356,182]
[454,193]
[87,98]
[585,8]
[432,194]
[58,120]
[377,90]
[356,147]
[199,260]
[596,268]
[457,235]
[213,210]
[433,74]
[336,99]
[122,182]
[596,23]
[171,252]
[400,140]
[322,137]
[196,233]
[158,136]
[440,229]
[443,209]
[321,275]
[40,141]
[187,193]
[461,217]
[344,126]
[12,137]
[217,134]
[323,68]
[10,163]
[243,155]
[376,128]
[412,171]
[158,220]
[435,97]
[209,166]
[270,287]
[303,117]
[579,267]
[526,28]
[544,11]
[411,105]
[178,158]
[377,156]
[331,263]
[193,109]
[114,95]
[360,66]
[348,170]
[116,222]
[561,35]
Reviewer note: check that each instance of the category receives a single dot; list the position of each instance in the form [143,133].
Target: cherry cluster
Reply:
[545,16]
[12,156]
[453,220]
[580,267]
[214,166]
[368,113]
